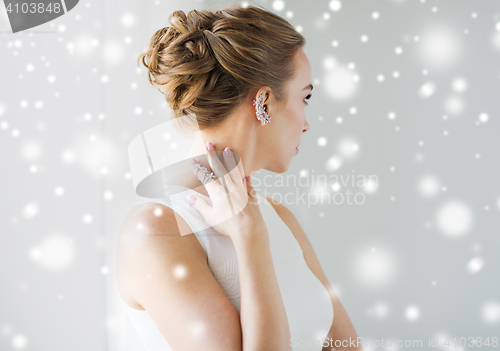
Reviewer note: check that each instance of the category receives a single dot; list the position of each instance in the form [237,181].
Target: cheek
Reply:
[295,115]
[298,122]
[291,125]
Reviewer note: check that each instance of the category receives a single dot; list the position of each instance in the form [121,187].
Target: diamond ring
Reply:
[211,176]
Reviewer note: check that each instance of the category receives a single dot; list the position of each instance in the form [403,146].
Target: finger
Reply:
[230,164]
[200,205]
[251,191]
[240,167]
[203,175]
[245,182]
[214,161]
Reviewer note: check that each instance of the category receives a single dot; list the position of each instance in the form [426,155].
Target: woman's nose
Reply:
[306,127]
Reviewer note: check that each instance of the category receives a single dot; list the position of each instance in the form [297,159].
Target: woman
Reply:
[249,280]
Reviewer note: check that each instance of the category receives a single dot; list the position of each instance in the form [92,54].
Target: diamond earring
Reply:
[259,110]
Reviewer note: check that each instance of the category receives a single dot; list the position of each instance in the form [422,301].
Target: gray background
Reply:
[72,98]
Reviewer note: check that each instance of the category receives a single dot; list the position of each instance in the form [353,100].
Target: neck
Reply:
[234,133]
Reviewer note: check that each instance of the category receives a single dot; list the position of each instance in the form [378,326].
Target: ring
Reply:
[210,179]
[211,176]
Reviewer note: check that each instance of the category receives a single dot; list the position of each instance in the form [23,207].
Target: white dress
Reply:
[307,303]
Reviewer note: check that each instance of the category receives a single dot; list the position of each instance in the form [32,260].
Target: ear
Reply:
[267,94]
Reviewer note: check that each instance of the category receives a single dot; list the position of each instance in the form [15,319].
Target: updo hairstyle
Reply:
[206,63]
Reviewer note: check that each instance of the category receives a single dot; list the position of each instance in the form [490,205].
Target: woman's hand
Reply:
[236,212]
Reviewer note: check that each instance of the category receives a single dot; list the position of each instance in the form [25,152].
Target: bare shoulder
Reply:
[149,218]
[152,219]
[148,229]
[167,274]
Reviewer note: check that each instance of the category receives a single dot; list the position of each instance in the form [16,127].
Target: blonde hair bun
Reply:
[207,62]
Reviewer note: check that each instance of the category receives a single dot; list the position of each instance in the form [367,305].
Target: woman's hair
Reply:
[206,63]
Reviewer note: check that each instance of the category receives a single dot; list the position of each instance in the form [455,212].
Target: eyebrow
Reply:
[309,86]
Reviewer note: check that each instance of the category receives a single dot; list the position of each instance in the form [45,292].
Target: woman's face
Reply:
[288,120]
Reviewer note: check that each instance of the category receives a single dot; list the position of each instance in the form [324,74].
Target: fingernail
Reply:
[210,146]
[191,199]
[227,152]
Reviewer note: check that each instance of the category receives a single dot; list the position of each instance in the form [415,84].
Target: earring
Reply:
[259,110]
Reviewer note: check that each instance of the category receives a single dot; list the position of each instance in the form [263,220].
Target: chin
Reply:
[279,167]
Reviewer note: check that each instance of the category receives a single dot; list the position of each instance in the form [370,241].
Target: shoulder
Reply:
[167,274]
[146,218]
[149,240]
[149,221]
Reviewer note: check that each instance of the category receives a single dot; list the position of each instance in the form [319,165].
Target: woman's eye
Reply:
[307,98]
